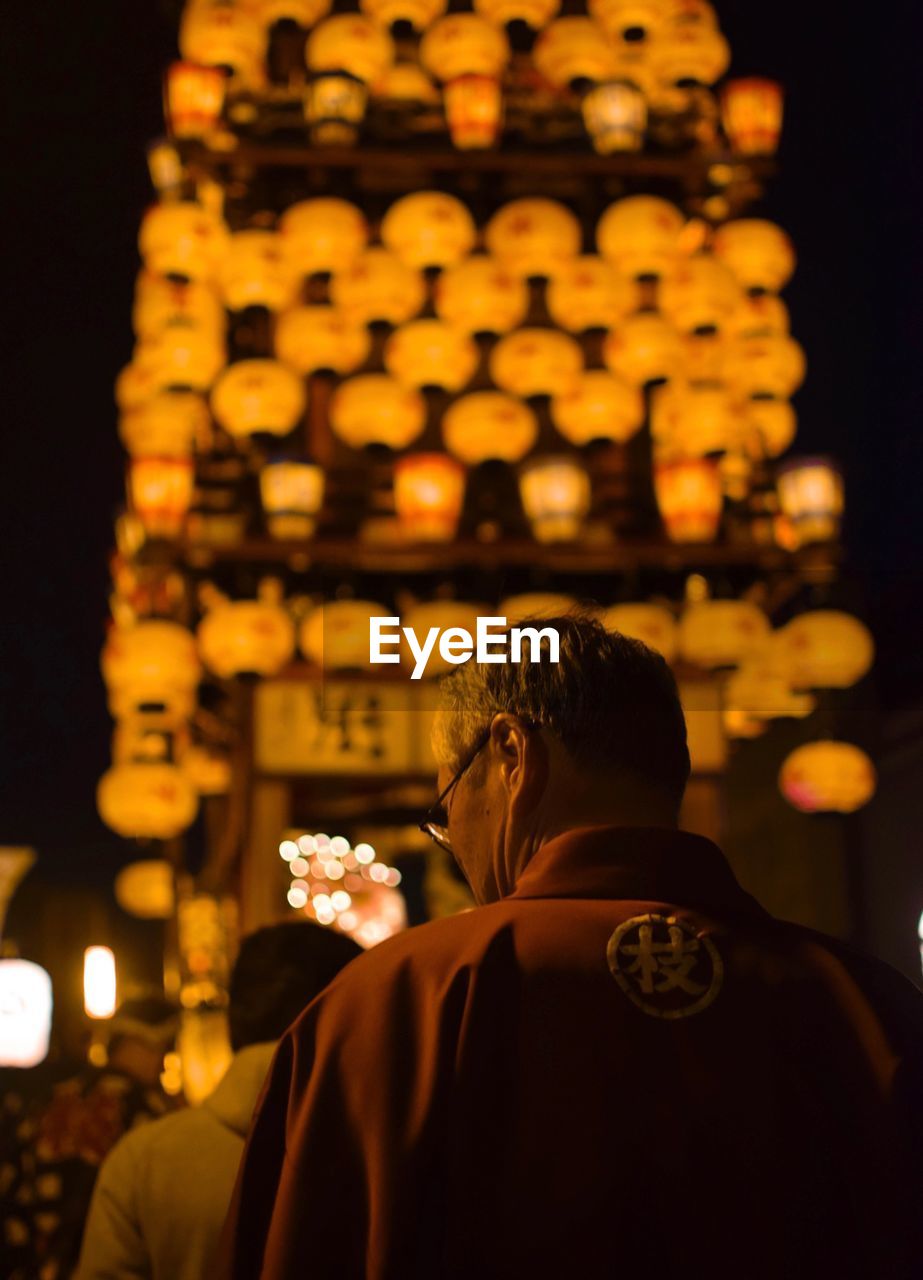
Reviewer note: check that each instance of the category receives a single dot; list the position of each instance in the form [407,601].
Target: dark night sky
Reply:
[82,99]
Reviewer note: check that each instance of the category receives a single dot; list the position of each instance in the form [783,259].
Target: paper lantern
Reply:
[598,406]
[775,423]
[165,167]
[334,106]
[722,633]
[771,364]
[699,293]
[692,419]
[292,494]
[534,13]
[827,777]
[378,286]
[429,490]
[419,13]
[825,649]
[571,50]
[145,889]
[762,688]
[162,303]
[751,112]
[194,98]
[336,635]
[305,12]
[160,493]
[224,35]
[652,624]
[444,614]
[406,82]
[165,426]
[255,396]
[555,495]
[615,115]
[536,604]
[644,348]
[182,356]
[629,21]
[689,497]
[428,229]
[536,362]
[151,666]
[146,801]
[429,353]
[183,238]
[323,234]
[311,338]
[99,982]
[488,424]
[352,43]
[588,293]
[758,252]
[758,314]
[811,497]
[474,111]
[25,1013]
[376,409]
[690,53]
[257,272]
[464,44]
[641,235]
[481,295]
[533,237]
[246,637]
[705,357]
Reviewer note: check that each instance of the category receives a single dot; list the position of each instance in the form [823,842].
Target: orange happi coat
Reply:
[626,1068]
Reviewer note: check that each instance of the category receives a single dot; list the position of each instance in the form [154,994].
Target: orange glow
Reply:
[474,110]
[160,491]
[690,498]
[751,112]
[194,97]
[429,489]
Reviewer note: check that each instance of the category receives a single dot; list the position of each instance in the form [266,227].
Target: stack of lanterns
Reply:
[344,888]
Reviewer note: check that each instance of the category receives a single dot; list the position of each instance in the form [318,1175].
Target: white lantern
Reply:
[25,1013]
[99,982]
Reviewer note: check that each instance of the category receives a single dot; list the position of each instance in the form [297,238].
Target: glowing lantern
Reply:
[751,112]
[145,889]
[758,314]
[652,624]
[770,364]
[811,496]
[690,52]
[555,495]
[573,49]
[706,357]
[699,293]
[444,614]
[481,295]
[256,272]
[758,252]
[429,353]
[324,234]
[254,396]
[99,985]
[535,13]
[827,777]
[641,235]
[151,667]
[160,491]
[598,406]
[629,21]
[165,167]
[488,424]
[334,107]
[224,35]
[762,688]
[419,13]
[474,111]
[533,237]
[252,637]
[162,303]
[336,634]
[722,633]
[615,115]
[292,495]
[464,44]
[644,348]
[312,338]
[134,385]
[775,423]
[428,229]
[378,286]
[696,418]
[183,356]
[689,497]
[536,362]
[349,42]
[146,801]
[182,239]
[194,99]
[165,426]
[536,604]
[429,490]
[826,649]
[588,293]
[376,409]
[407,82]
[25,1013]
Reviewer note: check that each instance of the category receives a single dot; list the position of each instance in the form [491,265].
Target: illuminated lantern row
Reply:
[344,888]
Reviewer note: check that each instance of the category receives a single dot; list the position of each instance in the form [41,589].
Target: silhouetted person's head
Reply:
[278,972]
[597,739]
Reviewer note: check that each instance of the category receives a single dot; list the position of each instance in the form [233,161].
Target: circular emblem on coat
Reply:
[664,967]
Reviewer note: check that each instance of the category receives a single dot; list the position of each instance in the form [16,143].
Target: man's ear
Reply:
[520,754]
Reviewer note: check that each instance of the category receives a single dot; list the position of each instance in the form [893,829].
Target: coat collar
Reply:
[644,864]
